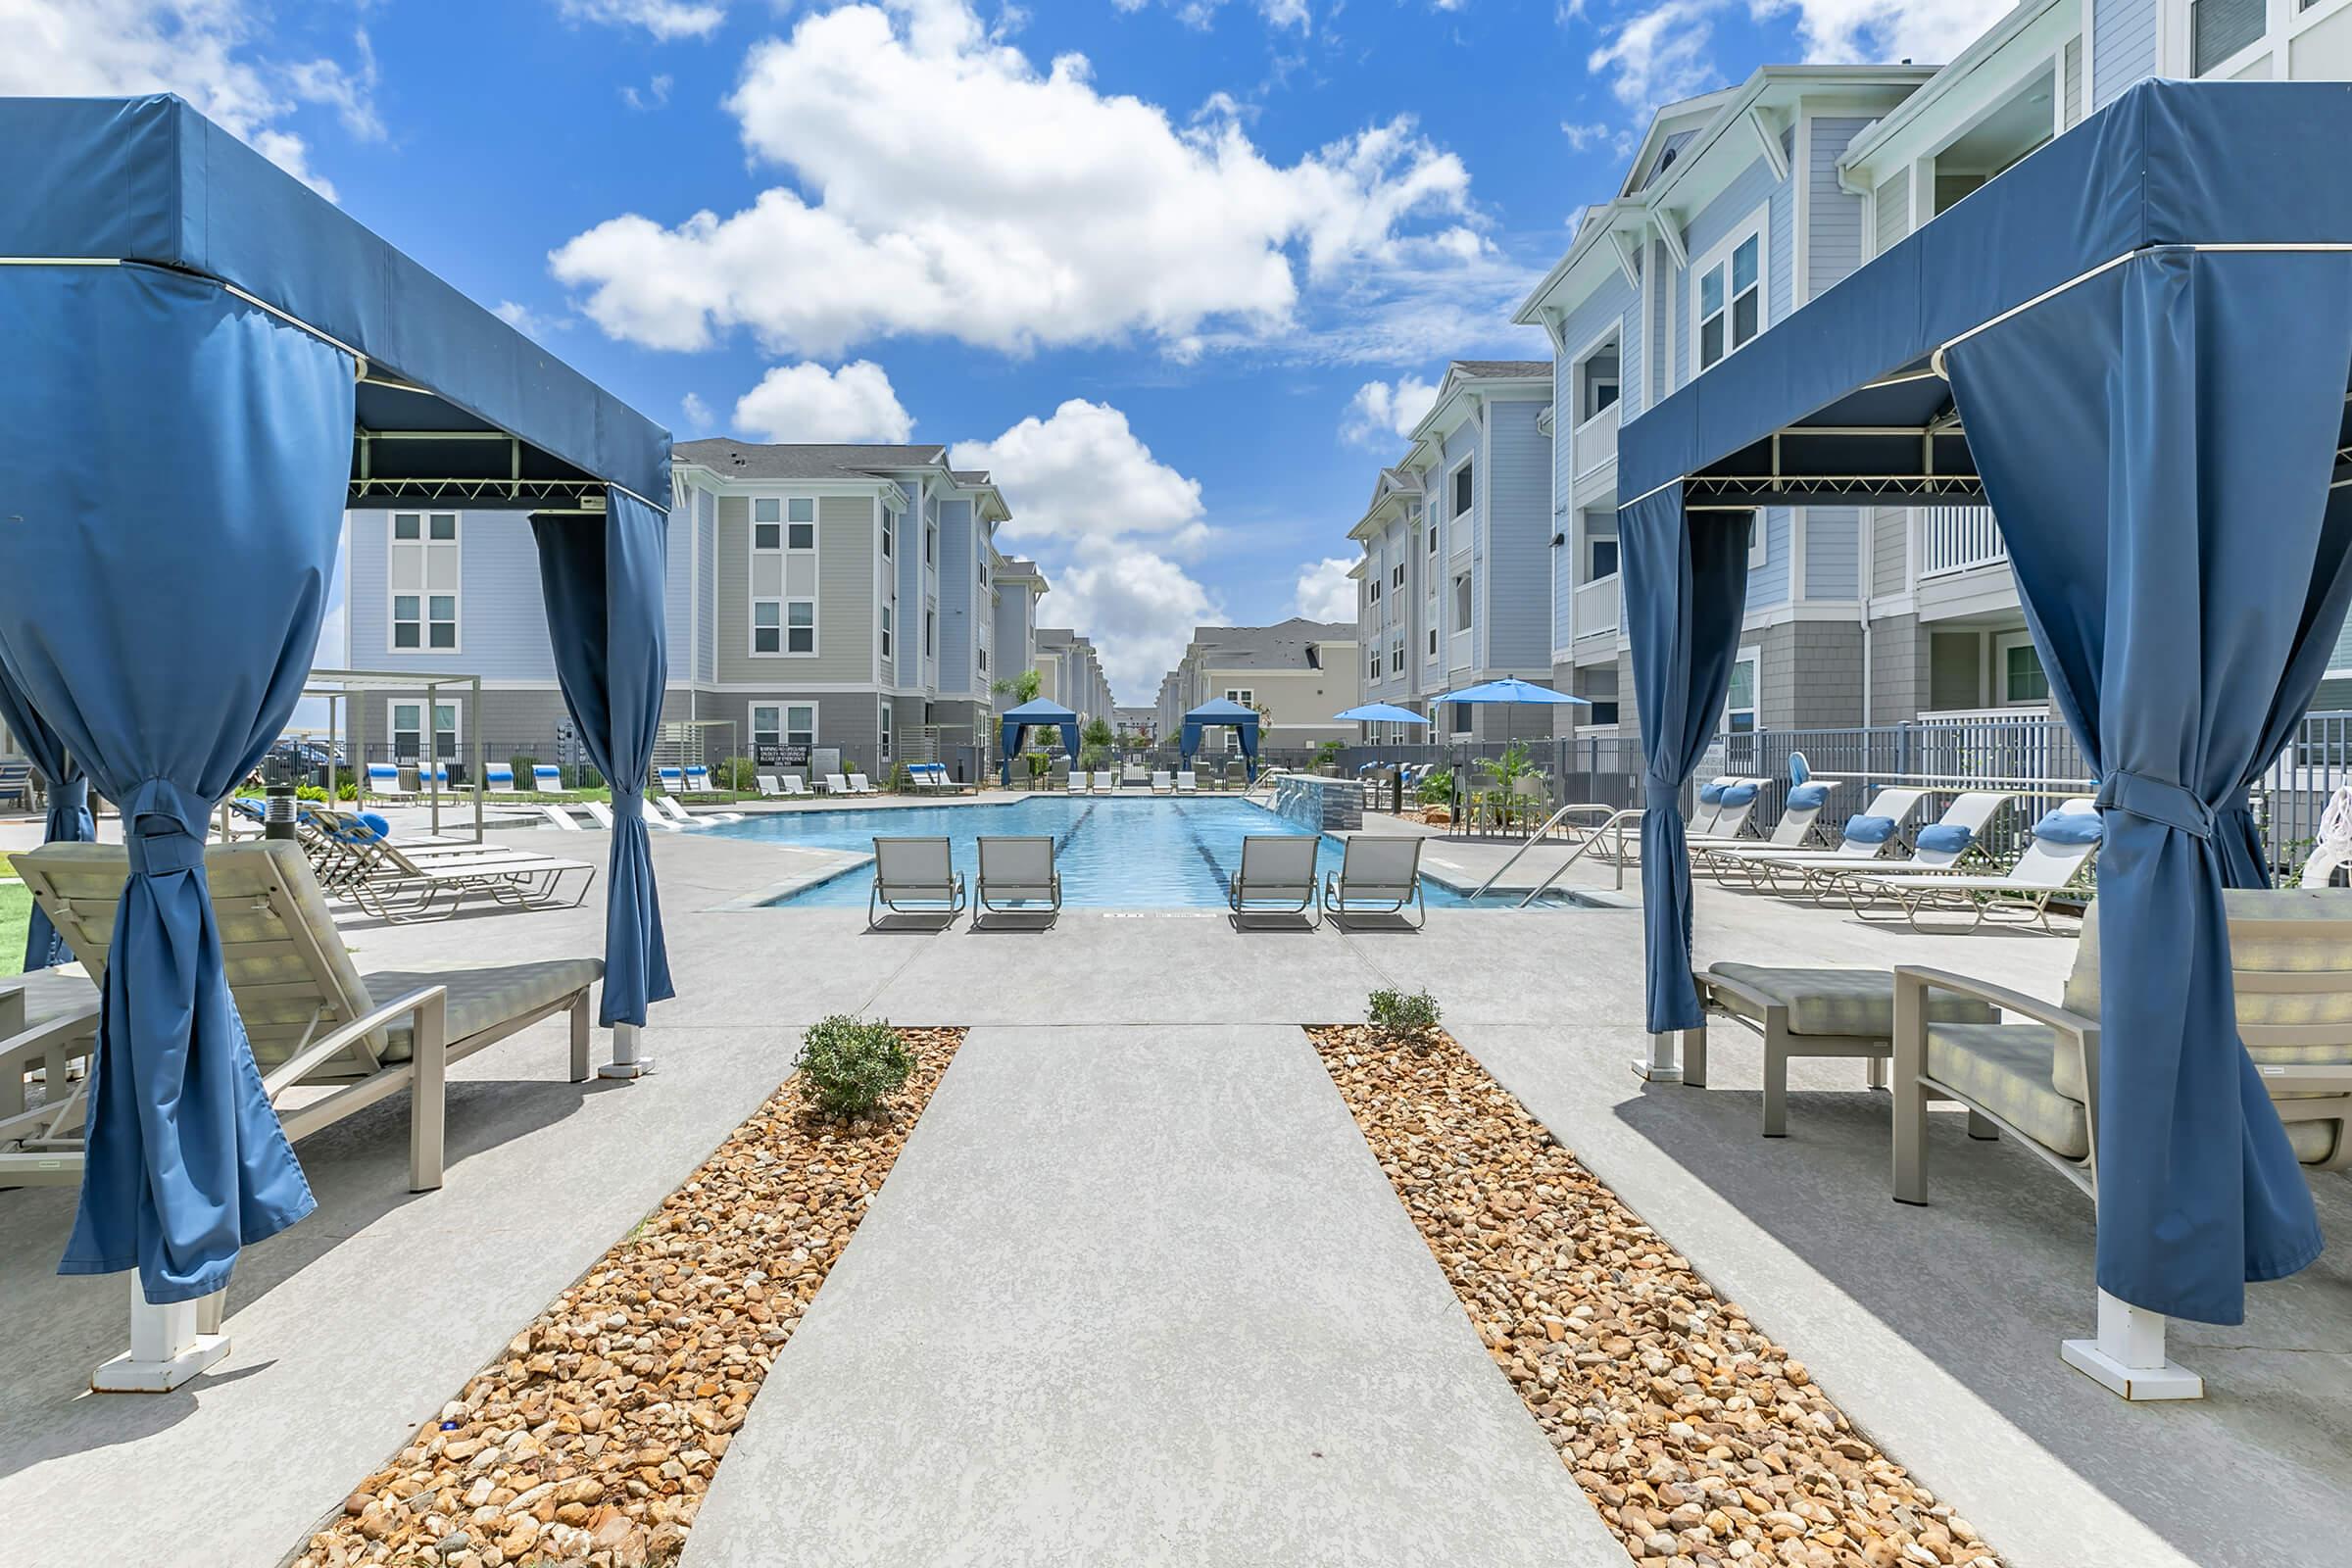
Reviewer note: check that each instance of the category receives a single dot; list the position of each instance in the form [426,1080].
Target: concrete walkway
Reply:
[1140,1295]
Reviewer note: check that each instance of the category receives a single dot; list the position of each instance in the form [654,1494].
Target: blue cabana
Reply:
[2135,347]
[206,364]
[1039,713]
[1218,710]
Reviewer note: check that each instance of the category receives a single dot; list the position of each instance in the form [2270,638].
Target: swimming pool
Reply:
[1114,853]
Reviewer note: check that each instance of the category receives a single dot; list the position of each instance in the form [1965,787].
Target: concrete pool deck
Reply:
[1935,1329]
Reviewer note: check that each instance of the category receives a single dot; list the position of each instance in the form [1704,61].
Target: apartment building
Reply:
[1070,672]
[1454,584]
[825,595]
[1297,673]
[1741,205]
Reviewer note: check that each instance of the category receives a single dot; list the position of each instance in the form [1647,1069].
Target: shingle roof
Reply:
[1491,369]
[1285,645]
[752,460]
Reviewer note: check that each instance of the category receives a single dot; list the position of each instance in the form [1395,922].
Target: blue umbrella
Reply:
[1508,691]
[1381,713]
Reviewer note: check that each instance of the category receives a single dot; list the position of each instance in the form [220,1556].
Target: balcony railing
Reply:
[1598,607]
[1594,443]
[1959,538]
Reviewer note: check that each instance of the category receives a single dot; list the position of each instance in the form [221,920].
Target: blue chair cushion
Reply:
[1738,794]
[1860,829]
[1799,769]
[1712,794]
[2069,828]
[376,824]
[1946,838]
[1807,797]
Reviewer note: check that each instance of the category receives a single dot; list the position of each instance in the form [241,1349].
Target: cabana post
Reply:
[2152,398]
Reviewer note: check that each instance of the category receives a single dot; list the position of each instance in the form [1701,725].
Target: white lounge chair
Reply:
[1709,818]
[1077,784]
[860,785]
[767,786]
[1937,847]
[393,884]
[1276,876]
[2063,843]
[1017,876]
[797,786]
[497,778]
[654,817]
[599,812]
[559,817]
[547,779]
[698,779]
[672,779]
[1865,837]
[1796,824]
[2291,959]
[325,1044]
[1162,783]
[1188,782]
[1106,782]
[383,778]
[836,784]
[1377,875]
[914,876]
[680,816]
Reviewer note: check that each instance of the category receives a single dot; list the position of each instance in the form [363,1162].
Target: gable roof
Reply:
[788,459]
[1286,645]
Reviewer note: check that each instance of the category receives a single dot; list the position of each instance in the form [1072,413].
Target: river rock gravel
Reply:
[1701,1443]
[591,1440]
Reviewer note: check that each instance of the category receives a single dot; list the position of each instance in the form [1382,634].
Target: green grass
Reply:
[15,911]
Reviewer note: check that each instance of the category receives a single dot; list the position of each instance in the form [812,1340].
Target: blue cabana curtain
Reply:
[603,584]
[1685,590]
[69,819]
[176,461]
[2157,444]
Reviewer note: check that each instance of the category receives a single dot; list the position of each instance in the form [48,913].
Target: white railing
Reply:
[1959,538]
[1597,606]
[1458,650]
[1594,443]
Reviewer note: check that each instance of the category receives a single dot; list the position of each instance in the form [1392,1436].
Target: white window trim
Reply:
[784,552]
[1759,540]
[1453,516]
[757,729]
[1998,679]
[1614,332]
[1752,654]
[1758,223]
[428,729]
[425,596]
[882,728]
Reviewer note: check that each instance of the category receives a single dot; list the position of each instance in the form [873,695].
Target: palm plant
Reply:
[1506,771]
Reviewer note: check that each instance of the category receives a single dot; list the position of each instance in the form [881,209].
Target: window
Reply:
[930,544]
[930,628]
[1433,642]
[2220,28]
[2018,668]
[1759,541]
[983,571]
[1461,602]
[783,588]
[1739,702]
[886,729]
[1461,716]
[1605,558]
[1429,534]
[1464,490]
[1396,655]
[423,569]
[767,725]
[1602,712]
[1373,669]
[885,631]
[888,527]
[1396,576]
[983,659]
[408,732]
[1375,588]
[800,725]
[1597,376]
[1728,294]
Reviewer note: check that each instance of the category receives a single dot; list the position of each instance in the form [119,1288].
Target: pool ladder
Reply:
[1612,825]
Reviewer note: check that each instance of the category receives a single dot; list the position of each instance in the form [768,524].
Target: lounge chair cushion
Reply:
[1838,1002]
[1738,794]
[1862,829]
[1712,793]
[2006,1069]
[1799,769]
[2069,828]
[1801,797]
[481,995]
[1945,838]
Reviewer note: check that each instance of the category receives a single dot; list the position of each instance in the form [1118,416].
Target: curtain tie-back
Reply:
[2155,800]
[163,830]
[1662,794]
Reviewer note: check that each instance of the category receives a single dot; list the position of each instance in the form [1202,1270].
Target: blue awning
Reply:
[1841,402]
[1039,713]
[1224,712]
[150,180]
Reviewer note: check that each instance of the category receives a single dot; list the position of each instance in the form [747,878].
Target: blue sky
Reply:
[1176,272]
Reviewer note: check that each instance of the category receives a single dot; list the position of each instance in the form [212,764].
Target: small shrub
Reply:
[853,1065]
[1436,789]
[1401,1018]
[524,766]
[739,774]
[901,780]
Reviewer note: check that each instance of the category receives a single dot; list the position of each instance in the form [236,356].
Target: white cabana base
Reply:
[168,1344]
[625,1062]
[2128,1356]
[1664,1063]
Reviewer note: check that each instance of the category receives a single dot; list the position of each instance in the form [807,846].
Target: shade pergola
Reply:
[2135,347]
[1223,712]
[1039,713]
[205,362]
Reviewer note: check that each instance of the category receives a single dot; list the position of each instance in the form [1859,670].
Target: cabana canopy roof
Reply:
[1221,711]
[454,406]
[1844,403]
[1038,711]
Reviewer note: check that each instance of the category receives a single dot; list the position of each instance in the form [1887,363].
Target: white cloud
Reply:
[655,96]
[201,49]
[699,417]
[663,19]
[1110,516]
[530,323]
[1660,55]
[1843,31]
[1326,592]
[1382,413]
[810,403]
[1203,13]
[1079,217]
[1582,136]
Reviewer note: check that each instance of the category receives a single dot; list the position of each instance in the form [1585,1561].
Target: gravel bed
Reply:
[591,1441]
[1697,1437]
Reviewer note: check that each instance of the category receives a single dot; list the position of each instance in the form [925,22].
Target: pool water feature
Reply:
[1114,853]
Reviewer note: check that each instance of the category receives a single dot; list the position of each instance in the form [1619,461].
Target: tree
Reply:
[1021,688]
[1097,734]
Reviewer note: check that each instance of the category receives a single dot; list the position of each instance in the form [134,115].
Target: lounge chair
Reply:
[1188,782]
[327,1040]
[1016,875]
[797,786]
[16,781]
[383,778]
[655,817]
[860,784]
[1077,781]
[914,876]
[559,817]
[2063,843]
[1162,784]
[599,812]
[2290,958]
[1731,803]
[1865,837]
[1936,848]
[680,816]
[672,779]
[393,884]
[768,787]
[836,784]
[1106,782]
[1801,813]
[698,779]
[497,778]
[1277,876]
[547,779]
[1378,876]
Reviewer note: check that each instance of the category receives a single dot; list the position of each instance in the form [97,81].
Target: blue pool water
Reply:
[1119,852]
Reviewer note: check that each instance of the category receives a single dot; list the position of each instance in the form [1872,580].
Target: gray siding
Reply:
[1889,545]
[1955,668]
[1768,584]
[2072,74]
[501,618]
[956,586]
[1753,188]
[1519,531]
[1811,674]
[706,525]
[1835,244]
[1899,669]
[1667,286]
[1833,553]
[1630,347]
[1893,217]
[2123,46]
[846,616]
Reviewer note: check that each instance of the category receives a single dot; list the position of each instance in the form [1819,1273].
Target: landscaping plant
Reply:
[1436,789]
[1401,1018]
[851,1066]
[1515,764]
